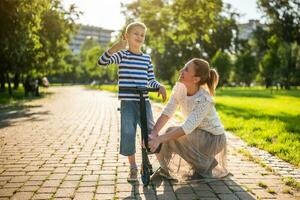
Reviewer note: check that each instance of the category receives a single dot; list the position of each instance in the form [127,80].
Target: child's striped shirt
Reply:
[134,70]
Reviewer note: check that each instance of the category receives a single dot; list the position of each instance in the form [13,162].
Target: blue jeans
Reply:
[130,117]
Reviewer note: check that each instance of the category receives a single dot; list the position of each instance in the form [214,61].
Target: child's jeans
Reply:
[130,117]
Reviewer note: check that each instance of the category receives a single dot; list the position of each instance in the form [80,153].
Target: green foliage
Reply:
[222,62]
[289,181]
[283,42]
[245,67]
[183,29]
[90,52]
[57,28]
[34,43]
[268,66]
[284,18]
[280,62]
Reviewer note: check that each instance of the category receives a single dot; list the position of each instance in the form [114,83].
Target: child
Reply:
[135,69]
[201,139]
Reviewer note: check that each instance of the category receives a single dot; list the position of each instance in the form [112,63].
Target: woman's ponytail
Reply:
[212,81]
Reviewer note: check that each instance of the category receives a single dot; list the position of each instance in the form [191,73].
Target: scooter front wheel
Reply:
[145,175]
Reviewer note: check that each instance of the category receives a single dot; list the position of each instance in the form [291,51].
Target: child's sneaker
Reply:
[132,176]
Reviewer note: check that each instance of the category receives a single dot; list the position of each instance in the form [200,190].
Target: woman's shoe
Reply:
[164,173]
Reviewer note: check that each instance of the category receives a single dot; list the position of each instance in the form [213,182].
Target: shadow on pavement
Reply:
[207,188]
[12,114]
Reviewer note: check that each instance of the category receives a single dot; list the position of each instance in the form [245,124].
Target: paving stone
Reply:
[228,197]
[65,192]
[86,189]
[7,192]
[85,196]
[166,195]
[103,189]
[104,196]
[42,196]
[22,196]
[47,190]
[29,188]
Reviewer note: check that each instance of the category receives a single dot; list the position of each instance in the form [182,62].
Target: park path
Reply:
[65,146]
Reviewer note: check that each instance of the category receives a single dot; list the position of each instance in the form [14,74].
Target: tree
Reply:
[90,52]
[58,25]
[259,41]
[269,67]
[18,35]
[182,29]
[223,34]
[222,62]
[284,18]
[245,65]
[284,24]
[33,43]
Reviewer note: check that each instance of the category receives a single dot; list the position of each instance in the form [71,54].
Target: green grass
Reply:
[263,118]
[266,120]
[262,184]
[289,181]
[18,96]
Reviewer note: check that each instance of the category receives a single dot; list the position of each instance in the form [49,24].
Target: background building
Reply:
[103,36]
[246,30]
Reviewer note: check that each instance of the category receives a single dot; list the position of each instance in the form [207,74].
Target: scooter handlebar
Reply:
[138,89]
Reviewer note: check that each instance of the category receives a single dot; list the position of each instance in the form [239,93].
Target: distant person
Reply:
[200,140]
[31,86]
[45,82]
[135,69]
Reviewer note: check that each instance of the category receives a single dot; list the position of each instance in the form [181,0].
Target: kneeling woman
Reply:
[200,140]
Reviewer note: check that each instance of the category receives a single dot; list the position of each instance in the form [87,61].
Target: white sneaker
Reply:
[132,176]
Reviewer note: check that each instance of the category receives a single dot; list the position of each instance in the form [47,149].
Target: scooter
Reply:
[146,169]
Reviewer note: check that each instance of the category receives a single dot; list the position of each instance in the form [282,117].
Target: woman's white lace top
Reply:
[198,110]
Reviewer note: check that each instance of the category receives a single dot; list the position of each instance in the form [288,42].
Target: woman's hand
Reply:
[154,143]
[153,135]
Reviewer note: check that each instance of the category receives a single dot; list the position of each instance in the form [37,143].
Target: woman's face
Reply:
[187,75]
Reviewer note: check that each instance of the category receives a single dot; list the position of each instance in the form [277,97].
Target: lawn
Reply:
[265,119]
[18,96]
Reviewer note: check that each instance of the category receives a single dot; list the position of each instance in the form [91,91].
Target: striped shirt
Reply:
[134,70]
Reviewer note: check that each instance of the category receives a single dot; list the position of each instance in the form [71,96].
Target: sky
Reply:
[107,13]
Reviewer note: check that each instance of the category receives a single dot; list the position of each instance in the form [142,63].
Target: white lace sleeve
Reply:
[177,95]
[202,107]
[170,108]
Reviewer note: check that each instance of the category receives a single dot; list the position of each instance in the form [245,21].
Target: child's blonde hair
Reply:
[135,24]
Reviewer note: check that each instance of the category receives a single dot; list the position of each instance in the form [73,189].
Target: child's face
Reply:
[136,37]
[187,75]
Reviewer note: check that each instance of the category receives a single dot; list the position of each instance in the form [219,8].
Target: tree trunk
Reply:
[16,80]
[9,85]
[2,82]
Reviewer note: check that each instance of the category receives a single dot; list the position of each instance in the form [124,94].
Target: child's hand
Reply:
[121,44]
[162,91]
[154,143]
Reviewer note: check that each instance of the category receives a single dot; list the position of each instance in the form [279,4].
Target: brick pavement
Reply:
[66,146]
